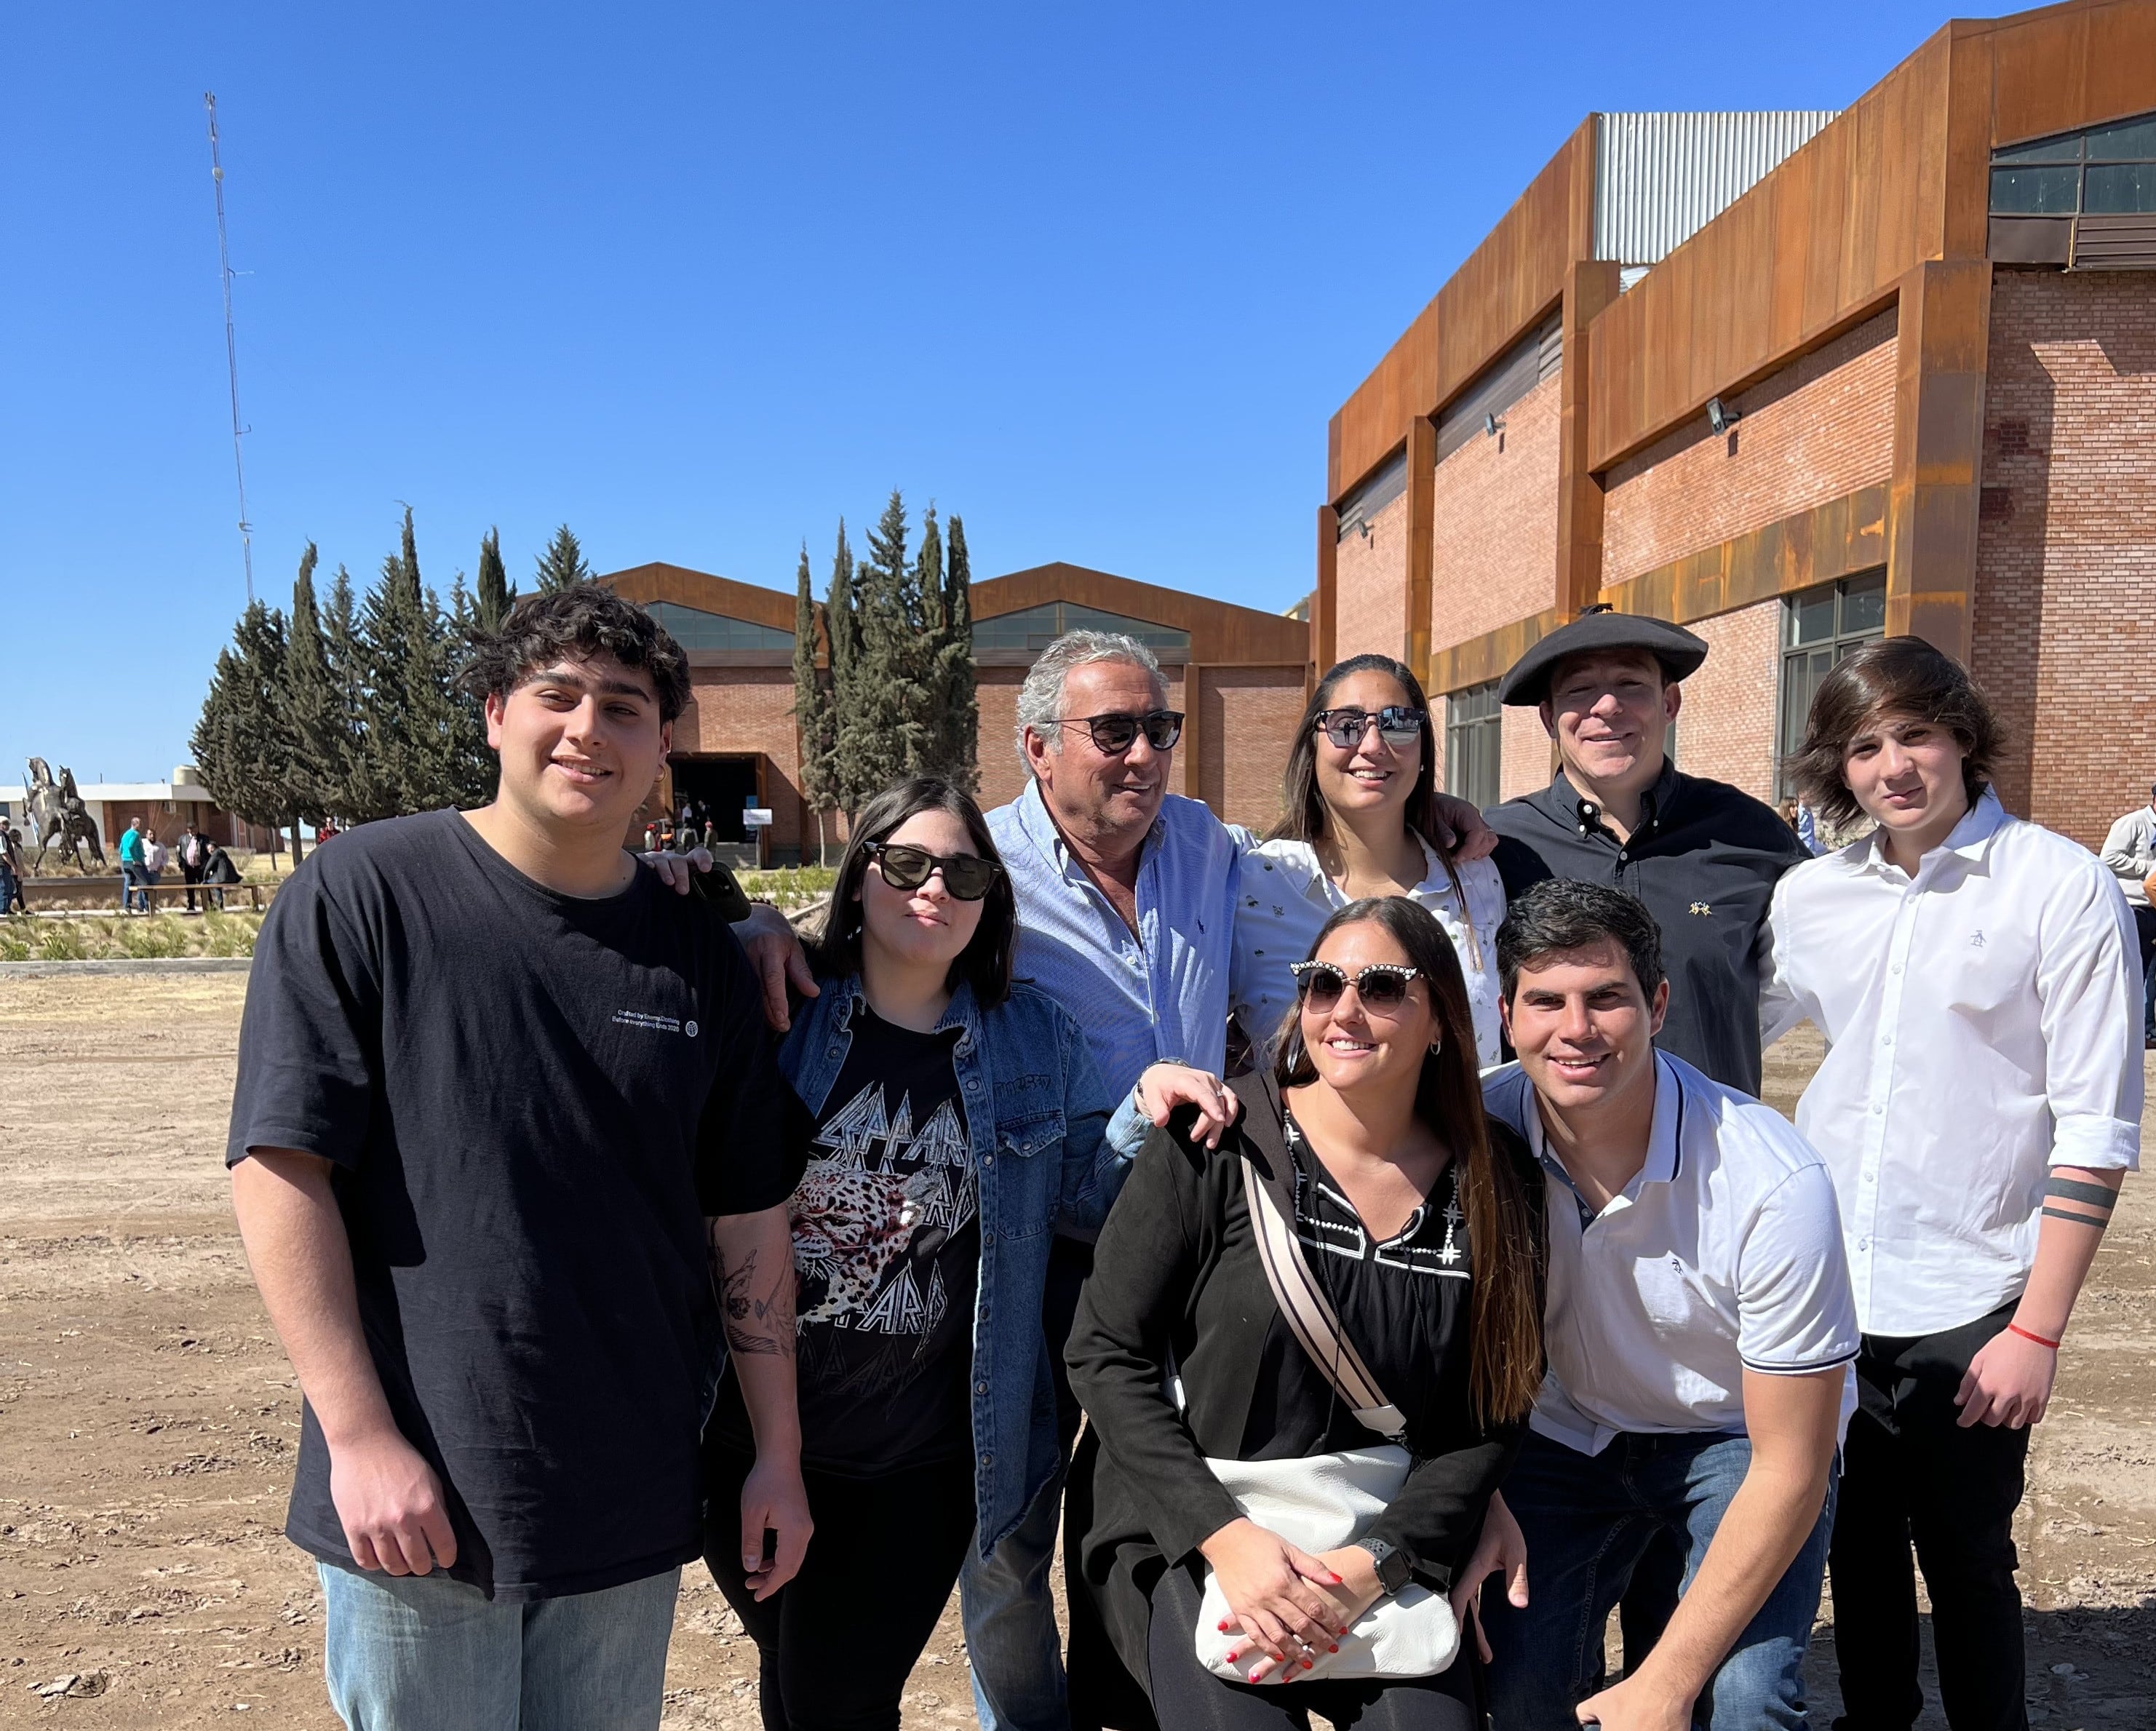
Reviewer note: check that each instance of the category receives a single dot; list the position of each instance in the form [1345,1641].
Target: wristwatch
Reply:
[1392,1570]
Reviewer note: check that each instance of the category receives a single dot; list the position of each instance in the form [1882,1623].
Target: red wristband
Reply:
[2016,1329]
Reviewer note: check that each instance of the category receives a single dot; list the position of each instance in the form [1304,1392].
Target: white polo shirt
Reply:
[1983,1024]
[1723,1255]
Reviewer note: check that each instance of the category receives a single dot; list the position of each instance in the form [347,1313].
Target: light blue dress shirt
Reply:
[1164,993]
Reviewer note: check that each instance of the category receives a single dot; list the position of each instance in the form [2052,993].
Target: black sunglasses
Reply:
[1397,724]
[967,877]
[1113,734]
[1382,986]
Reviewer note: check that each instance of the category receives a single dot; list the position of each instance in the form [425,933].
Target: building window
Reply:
[1474,743]
[1033,629]
[694,629]
[1819,627]
[2109,171]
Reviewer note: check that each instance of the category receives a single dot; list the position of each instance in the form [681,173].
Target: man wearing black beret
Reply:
[1702,855]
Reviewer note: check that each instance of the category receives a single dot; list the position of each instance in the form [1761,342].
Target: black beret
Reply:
[1526,683]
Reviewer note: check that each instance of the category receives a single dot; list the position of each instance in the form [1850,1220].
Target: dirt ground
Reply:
[148,1418]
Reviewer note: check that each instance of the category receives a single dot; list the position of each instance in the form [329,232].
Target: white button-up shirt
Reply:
[1287,898]
[1723,1255]
[1982,1022]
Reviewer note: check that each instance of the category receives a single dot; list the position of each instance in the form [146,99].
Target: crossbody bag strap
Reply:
[1303,1304]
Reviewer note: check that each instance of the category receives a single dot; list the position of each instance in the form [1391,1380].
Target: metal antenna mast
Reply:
[231,348]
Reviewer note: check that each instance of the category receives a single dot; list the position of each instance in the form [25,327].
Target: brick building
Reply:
[1239,675]
[1794,380]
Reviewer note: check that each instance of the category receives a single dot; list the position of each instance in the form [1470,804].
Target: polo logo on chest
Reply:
[1702,909]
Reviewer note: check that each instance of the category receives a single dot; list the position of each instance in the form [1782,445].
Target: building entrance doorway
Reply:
[725,786]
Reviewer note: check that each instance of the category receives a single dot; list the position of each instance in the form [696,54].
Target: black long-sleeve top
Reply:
[1178,1289]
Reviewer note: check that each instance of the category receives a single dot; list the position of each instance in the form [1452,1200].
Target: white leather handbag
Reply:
[1323,1501]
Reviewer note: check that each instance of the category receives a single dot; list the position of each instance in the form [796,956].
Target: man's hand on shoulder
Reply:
[774,951]
[1467,837]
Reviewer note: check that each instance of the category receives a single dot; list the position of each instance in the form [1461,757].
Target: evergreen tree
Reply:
[842,625]
[814,716]
[955,713]
[408,740]
[883,732]
[561,566]
[240,742]
[357,798]
[496,594]
[313,707]
[473,771]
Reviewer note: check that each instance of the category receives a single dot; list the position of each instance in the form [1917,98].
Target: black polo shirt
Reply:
[1705,860]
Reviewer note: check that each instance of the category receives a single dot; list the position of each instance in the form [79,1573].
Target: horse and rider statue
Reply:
[58,814]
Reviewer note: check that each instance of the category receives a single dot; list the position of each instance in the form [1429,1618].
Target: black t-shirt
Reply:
[530,1101]
[887,1253]
[1405,1302]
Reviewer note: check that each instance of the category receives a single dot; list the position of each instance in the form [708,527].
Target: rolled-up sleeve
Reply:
[2088,982]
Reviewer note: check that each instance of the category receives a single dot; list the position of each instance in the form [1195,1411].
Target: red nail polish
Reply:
[1253,1676]
[1308,1663]
[1337,1580]
[1223,1625]
[1334,1648]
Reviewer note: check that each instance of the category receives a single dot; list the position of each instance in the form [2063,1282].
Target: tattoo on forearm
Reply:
[759,1317]
[2090,1205]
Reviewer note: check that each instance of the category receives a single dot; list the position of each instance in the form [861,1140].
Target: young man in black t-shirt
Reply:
[510,1154]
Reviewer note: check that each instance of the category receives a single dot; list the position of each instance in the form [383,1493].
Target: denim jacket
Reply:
[1037,1114]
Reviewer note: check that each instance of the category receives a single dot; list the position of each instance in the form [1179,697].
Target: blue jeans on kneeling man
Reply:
[1589,1519]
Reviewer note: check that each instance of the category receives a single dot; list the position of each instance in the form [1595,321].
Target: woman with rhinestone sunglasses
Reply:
[959,1124]
[1358,819]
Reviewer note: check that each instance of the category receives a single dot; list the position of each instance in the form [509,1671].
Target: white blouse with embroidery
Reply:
[1285,897]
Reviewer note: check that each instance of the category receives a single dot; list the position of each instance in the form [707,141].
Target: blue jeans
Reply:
[1589,1520]
[1010,1624]
[427,1653]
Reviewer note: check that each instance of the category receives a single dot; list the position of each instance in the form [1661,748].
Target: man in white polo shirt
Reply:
[1976,978]
[1699,1328]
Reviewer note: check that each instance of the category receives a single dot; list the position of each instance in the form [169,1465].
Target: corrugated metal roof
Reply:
[1660,178]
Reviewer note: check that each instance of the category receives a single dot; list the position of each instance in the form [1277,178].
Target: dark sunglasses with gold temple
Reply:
[1115,734]
[968,877]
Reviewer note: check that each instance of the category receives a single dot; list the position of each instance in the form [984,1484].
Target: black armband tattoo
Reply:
[2072,1189]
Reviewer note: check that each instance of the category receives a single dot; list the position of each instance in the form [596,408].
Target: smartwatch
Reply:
[1392,1570]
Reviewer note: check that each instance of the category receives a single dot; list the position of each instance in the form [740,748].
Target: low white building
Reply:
[168,807]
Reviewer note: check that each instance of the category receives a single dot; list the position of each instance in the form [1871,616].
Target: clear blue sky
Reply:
[698,280]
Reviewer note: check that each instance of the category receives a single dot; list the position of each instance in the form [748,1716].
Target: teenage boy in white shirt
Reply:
[1699,1329]
[1979,1104]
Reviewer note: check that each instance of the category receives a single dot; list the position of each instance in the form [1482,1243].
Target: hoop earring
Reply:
[1436,1047]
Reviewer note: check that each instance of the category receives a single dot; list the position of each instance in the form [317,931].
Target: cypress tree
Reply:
[561,566]
[814,718]
[240,743]
[957,706]
[843,626]
[887,734]
[495,594]
[473,770]
[357,797]
[314,712]
[407,744]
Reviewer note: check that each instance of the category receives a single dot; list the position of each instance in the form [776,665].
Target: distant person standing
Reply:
[194,854]
[156,857]
[2129,850]
[130,864]
[218,873]
[11,882]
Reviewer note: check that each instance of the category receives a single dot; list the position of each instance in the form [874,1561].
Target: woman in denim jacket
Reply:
[960,1125]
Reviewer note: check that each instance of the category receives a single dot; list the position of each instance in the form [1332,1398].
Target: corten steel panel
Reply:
[1325,601]
[1939,451]
[1818,243]
[1589,287]
[1220,631]
[1422,505]
[703,592]
[1482,658]
[1504,287]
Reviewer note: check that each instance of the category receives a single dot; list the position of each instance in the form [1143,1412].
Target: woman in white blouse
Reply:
[1358,805]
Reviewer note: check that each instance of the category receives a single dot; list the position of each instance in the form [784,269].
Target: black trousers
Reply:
[1911,1475]
[1187,1696]
[837,1642]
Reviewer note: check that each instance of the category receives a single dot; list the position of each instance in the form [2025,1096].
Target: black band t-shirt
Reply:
[886,1257]
[530,1102]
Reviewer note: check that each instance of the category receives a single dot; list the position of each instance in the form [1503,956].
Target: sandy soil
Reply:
[148,1418]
